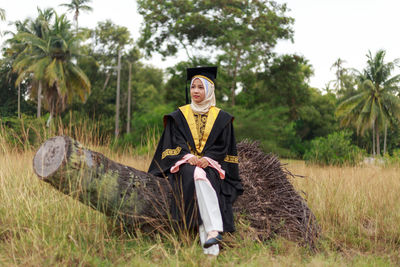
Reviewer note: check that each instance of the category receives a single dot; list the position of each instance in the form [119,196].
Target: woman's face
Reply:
[197,91]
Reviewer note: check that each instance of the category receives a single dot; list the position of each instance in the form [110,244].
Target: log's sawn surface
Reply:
[139,199]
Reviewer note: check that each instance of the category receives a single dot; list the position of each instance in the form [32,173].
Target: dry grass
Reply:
[357,207]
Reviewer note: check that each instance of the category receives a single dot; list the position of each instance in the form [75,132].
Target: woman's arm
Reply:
[171,148]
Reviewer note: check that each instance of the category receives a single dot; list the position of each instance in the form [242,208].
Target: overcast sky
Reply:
[324,29]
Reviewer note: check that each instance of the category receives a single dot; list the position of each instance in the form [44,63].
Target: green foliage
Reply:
[146,128]
[147,88]
[100,65]
[274,105]
[345,83]
[394,158]
[243,31]
[107,40]
[267,125]
[9,92]
[24,133]
[47,52]
[284,83]
[376,104]
[2,14]
[335,149]
[396,154]
[169,25]
[78,6]
[317,118]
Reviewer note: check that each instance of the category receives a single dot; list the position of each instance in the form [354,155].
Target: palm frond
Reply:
[38,68]
[350,105]
[2,14]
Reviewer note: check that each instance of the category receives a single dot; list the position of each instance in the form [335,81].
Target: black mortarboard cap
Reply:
[209,72]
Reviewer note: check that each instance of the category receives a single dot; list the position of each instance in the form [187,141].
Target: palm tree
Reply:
[376,105]
[340,71]
[50,59]
[40,28]
[379,73]
[2,16]
[77,6]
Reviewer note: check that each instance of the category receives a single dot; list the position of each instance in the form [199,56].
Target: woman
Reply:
[197,151]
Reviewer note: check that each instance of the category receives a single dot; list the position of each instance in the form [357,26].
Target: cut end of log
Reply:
[49,157]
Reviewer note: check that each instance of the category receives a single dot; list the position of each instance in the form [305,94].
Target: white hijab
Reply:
[209,99]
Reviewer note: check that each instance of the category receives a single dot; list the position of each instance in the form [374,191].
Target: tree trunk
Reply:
[128,120]
[19,101]
[132,196]
[76,20]
[384,139]
[139,199]
[118,97]
[373,139]
[39,104]
[106,81]
[233,86]
[378,145]
[293,111]
[49,120]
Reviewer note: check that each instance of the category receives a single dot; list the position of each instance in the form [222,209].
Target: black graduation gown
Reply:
[218,144]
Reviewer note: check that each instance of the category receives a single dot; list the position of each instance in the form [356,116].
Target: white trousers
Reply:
[210,213]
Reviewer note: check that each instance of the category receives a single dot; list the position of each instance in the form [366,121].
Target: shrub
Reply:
[23,133]
[394,158]
[146,127]
[335,149]
[269,126]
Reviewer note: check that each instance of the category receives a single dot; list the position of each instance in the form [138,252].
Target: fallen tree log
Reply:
[139,199]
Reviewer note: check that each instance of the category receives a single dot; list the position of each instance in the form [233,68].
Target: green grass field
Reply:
[357,208]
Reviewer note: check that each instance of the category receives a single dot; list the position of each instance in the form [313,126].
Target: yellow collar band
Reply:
[204,77]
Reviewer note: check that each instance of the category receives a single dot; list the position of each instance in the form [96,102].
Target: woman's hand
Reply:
[202,163]
[193,161]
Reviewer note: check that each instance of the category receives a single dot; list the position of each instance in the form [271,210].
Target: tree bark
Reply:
[19,101]
[106,82]
[39,104]
[118,96]
[139,199]
[76,20]
[128,117]
[233,86]
[378,145]
[49,120]
[384,140]
[132,196]
[373,139]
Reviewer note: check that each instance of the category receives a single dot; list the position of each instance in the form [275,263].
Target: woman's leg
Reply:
[184,209]
[214,249]
[208,206]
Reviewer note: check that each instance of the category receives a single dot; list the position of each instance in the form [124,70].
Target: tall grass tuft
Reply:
[29,133]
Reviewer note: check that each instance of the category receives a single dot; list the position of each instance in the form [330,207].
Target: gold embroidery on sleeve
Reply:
[231,159]
[171,152]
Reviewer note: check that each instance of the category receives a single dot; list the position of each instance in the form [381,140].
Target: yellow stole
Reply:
[189,116]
